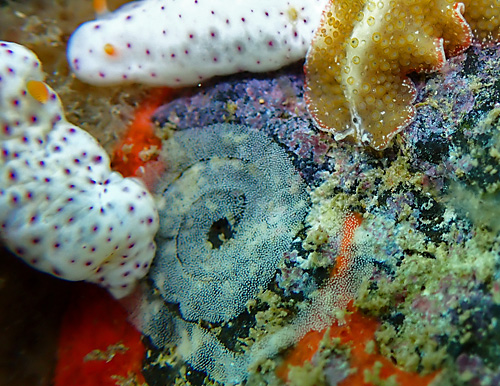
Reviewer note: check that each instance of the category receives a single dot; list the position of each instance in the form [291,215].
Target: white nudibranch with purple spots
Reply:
[62,209]
[183,42]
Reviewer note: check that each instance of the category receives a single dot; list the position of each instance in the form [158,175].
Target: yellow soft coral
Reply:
[356,69]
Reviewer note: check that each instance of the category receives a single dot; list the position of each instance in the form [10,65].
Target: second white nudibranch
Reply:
[183,42]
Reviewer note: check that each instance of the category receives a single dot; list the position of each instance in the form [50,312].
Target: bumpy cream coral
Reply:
[356,68]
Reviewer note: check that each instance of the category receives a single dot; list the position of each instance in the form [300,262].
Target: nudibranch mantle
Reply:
[183,42]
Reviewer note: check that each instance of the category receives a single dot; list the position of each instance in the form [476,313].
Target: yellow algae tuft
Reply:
[356,69]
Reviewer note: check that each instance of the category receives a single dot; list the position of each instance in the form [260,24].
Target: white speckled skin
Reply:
[183,42]
[62,210]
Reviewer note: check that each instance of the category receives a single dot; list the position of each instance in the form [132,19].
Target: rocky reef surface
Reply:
[429,232]
[428,240]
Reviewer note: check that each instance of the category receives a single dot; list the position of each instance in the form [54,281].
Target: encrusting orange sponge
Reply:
[357,66]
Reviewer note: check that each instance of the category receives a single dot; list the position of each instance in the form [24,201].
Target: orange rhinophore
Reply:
[100,7]
[109,49]
[38,90]
[97,345]
[357,66]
